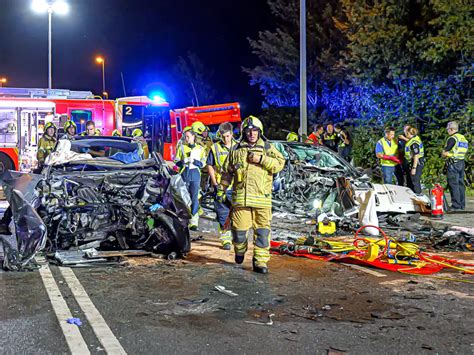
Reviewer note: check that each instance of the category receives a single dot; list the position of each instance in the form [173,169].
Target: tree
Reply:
[194,81]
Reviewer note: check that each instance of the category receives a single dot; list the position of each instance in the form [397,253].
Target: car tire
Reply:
[6,163]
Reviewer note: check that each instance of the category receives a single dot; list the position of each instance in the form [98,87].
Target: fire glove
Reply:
[392,158]
[254,158]
[220,196]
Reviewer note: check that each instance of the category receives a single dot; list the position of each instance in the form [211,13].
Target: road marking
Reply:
[364,269]
[97,322]
[71,332]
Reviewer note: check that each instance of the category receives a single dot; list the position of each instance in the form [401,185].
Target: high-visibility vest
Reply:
[412,141]
[220,152]
[390,150]
[459,151]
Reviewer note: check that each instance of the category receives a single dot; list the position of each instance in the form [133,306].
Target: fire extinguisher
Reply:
[437,202]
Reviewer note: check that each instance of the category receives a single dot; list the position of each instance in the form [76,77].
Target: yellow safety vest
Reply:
[412,141]
[459,151]
[220,152]
[184,151]
[390,150]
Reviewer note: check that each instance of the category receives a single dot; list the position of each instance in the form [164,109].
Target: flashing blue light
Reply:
[158,97]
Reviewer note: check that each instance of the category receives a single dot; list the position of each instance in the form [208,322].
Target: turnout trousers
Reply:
[259,219]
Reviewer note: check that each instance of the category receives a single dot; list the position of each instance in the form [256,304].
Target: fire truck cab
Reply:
[212,116]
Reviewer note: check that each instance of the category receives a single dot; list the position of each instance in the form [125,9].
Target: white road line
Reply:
[366,270]
[71,332]
[97,322]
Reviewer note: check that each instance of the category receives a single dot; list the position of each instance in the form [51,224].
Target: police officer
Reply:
[345,143]
[414,157]
[190,160]
[46,143]
[250,168]
[70,130]
[386,150]
[215,160]
[316,138]
[330,139]
[455,153]
[90,129]
[137,135]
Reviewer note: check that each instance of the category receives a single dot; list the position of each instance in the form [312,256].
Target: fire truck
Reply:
[212,116]
[24,112]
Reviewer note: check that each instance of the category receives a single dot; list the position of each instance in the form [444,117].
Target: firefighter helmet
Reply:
[137,132]
[116,133]
[188,129]
[199,127]
[292,137]
[69,124]
[252,122]
[49,125]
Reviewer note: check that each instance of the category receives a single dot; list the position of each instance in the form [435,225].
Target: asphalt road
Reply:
[151,306]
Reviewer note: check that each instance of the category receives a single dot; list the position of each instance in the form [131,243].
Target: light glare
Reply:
[60,7]
[39,6]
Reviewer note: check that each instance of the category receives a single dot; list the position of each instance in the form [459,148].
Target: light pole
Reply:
[303,85]
[101,60]
[59,7]
[3,81]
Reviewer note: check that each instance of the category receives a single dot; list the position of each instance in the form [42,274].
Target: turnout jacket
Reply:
[252,182]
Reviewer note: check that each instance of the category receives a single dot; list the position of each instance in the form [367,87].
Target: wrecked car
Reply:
[95,194]
[315,177]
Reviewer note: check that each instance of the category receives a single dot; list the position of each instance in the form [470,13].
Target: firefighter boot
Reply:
[239,239]
[259,268]
[193,222]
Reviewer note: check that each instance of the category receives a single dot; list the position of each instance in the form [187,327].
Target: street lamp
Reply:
[101,60]
[3,81]
[59,7]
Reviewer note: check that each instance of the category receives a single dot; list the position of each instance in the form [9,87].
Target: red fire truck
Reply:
[211,115]
[24,112]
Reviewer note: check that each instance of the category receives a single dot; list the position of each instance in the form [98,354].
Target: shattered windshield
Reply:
[311,155]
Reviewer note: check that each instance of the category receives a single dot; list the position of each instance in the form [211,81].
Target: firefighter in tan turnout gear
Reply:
[250,168]
[46,143]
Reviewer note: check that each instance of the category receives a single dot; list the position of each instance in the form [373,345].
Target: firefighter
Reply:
[250,168]
[202,135]
[69,129]
[137,135]
[386,150]
[292,137]
[189,159]
[345,143]
[414,157]
[455,153]
[330,139]
[46,143]
[215,160]
[315,138]
[90,129]
[116,133]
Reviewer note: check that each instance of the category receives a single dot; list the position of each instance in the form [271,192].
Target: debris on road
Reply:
[225,291]
[76,321]
[269,323]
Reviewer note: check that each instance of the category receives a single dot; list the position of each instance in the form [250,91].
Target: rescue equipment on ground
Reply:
[437,202]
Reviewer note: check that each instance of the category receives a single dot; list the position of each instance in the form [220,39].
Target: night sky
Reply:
[143,39]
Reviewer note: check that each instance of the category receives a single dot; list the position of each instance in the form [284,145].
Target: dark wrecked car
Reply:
[95,194]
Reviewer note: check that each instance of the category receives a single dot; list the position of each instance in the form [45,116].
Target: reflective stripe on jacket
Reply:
[252,183]
[408,145]
[459,151]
